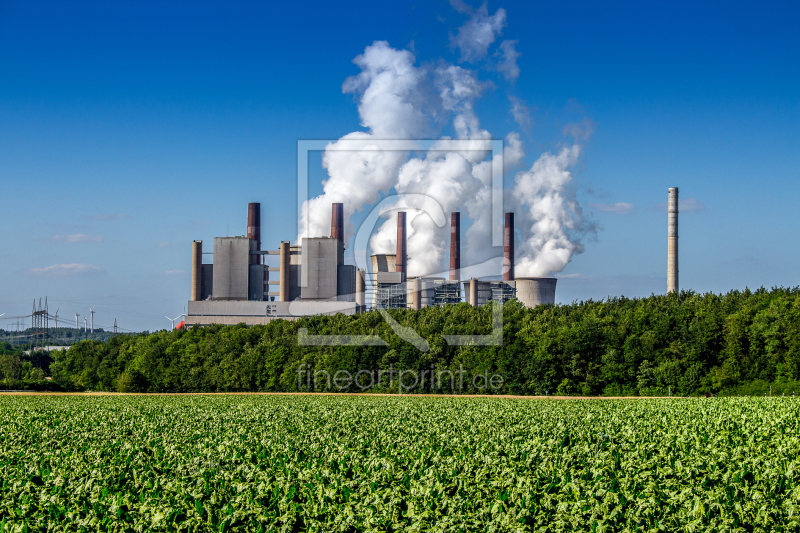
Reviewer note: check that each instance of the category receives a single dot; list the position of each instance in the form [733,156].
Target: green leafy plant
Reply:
[322,463]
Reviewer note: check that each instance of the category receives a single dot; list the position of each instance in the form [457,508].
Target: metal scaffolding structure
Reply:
[389,296]
[503,292]
[40,318]
[446,292]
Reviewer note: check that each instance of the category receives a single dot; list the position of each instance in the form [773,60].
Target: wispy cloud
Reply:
[582,130]
[742,261]
[174,272]
[685,205]
[691,205]
[115,216]
[72,226]
[508,62]
[75,238]
[164,244]
[201,222]
[575,276]
[619,208]
[67,269]
[477,34]
[520,112]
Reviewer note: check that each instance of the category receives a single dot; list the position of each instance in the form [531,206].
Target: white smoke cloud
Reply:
[476,36]
[390,86]
[397,99]
[548,214]
[580,130]
[448,178]
[520,112]
[392,101]
[508,63]
[458,89]
[513,152]
[477,246]
[451,178]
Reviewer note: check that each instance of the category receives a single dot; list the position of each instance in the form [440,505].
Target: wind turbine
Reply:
[92,312]
[56,317]
[76,320]
[173,320]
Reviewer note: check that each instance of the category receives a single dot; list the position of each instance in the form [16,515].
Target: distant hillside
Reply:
[53,336]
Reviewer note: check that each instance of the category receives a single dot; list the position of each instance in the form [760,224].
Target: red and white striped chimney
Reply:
[400,258]
[508,248]
[254,228]
[455,245]
[337,222]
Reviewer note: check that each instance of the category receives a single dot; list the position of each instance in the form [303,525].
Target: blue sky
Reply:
[129,129]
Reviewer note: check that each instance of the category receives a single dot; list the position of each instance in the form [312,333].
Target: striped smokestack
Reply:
[254,228]
[337,222]
[400,258]
[672,241]
[508,248]
[455,245]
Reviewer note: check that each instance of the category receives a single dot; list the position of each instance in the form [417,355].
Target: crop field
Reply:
[310,463]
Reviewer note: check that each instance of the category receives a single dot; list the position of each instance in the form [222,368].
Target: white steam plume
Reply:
[399,100]
[548,215]
[391,106]
[451,178]
[476,36]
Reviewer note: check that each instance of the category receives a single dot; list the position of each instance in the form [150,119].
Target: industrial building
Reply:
[312,279]
[236,287]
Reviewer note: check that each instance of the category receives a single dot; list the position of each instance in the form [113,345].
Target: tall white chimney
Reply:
[672,242]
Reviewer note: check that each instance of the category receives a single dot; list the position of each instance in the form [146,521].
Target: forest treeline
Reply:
[743,342]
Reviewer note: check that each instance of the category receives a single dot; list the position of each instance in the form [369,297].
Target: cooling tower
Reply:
[672,242]
[383,263]
[536,291]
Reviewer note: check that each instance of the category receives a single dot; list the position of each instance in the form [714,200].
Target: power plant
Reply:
[312,278]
